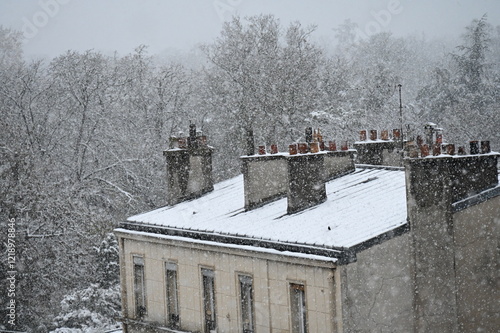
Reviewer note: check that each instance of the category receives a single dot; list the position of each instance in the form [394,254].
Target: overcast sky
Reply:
[53,26]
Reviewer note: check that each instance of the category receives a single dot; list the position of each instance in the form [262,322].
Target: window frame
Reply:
[303,322]
[172,319]
[245,281]
[207,275]
[140,306]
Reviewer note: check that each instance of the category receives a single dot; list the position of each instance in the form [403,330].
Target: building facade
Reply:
[344,248]
[224,289]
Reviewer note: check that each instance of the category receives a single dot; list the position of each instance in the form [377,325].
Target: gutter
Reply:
[343,255]
[476,199]
[401,230]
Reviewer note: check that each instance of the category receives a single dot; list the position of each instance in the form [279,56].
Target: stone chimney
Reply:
[306,184]
[338,163]
[189,167]
[264,175]
[265,178]
[375,149]
[299,174]
[434,184]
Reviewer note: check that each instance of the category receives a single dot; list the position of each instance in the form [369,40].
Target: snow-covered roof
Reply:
[360,206]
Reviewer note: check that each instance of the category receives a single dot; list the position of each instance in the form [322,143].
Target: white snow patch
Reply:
[360,206]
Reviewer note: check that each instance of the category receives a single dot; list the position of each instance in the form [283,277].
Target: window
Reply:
[139,287]
[298,308]
[171,289]
[209,300]
[246,294]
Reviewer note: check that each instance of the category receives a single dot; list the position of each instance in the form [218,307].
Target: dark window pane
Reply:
[246,291]
[172,298]
[209,300]
[298,308]
[139,288]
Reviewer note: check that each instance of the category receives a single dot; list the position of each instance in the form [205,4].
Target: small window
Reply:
[246,299]
[298,308]
[139,288]
[172,298]
[209,300]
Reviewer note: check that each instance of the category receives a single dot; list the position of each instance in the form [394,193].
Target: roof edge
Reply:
[343,255]
[476,199]
[388,235]
[381,167]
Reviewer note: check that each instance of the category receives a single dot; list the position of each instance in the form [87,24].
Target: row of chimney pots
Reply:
[384,135]
[194,140]
[424,150]
[314,144]
[304,148]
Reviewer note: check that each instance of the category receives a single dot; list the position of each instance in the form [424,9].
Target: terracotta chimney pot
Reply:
[362,135]
[384,135]
[450,149]
[396,134]
[424,150]
[485,147]
[373,135]
[437,150]
[314,147]
[302,148]
[262,150]
[292,149]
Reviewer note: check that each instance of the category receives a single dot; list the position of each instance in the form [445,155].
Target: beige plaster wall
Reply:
[337,163]
[392,158]
[476,231]
[266,178]
[377,289]
[271,277]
